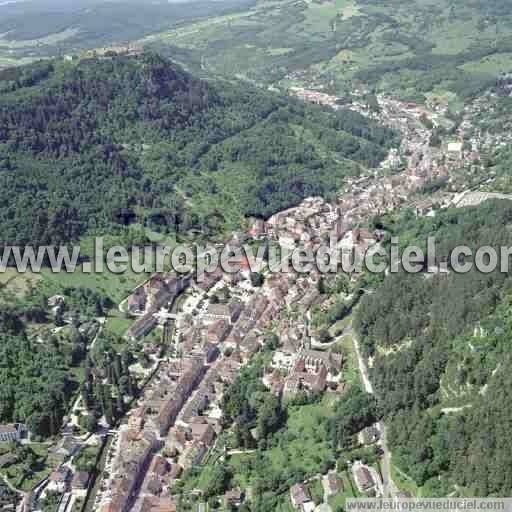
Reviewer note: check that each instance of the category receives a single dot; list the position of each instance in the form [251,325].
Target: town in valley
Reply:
[197,337]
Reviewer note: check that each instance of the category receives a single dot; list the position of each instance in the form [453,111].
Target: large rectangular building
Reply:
[10,432]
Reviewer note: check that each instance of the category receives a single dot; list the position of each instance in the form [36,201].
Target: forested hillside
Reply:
[412,49]
[111,142]
[441,348]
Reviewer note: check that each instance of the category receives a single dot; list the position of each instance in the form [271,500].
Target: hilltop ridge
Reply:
[108,142]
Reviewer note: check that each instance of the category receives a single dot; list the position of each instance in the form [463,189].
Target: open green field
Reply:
[7,276]
[7,61]
[493,64]
[16,283]
[351,375]
[306,445]
[115,286]
[117,324]
[301,447]
[50,39]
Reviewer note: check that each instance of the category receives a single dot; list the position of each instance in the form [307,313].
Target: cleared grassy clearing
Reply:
[302,445]
[58,37]
[7,61]
[7,276]
[115,286]
[453,38]
[117,324]
[351,375]
[493,64]
[307,446]
[16,283]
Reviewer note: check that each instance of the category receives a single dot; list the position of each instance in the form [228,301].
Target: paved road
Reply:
[390,490]
[362,366]
[21,494]
[240,452]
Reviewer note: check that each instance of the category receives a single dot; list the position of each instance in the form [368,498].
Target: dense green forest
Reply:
[39,377]
[441,353]
[110,142]
[47,359]
[36,378]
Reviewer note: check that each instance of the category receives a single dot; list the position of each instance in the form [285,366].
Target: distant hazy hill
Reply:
[31,28]
[104,143]
[411,47]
